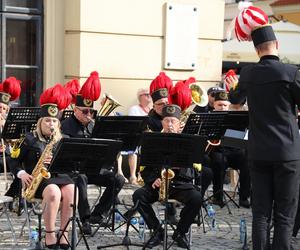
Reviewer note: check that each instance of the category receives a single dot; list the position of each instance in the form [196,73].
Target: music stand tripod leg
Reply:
[126,240]
[74,220]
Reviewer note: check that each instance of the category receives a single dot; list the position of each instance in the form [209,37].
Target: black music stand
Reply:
[125,128]
[212,126]
[128,129]
[69,112]
[169,150]
[236,124]
[19,121]
[86,156]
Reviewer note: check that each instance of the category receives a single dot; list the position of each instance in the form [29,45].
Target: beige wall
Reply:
[124,42]
[54,36]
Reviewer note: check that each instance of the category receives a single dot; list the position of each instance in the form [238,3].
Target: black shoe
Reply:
[244,203]
[86,228]
[180,239]
[96,219]
[157,239]
[172,220]
[218,202]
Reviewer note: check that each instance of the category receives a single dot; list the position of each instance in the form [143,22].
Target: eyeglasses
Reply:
[86,111]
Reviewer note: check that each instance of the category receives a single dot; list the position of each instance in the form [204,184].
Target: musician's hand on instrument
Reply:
[156,183]
[26,179]
[48,159]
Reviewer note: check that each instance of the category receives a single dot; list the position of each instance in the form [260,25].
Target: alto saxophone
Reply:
[162,190]
[39,173]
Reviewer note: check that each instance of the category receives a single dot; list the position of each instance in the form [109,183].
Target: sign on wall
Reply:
[181,32]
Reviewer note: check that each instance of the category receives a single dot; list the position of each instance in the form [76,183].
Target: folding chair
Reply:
[4,203]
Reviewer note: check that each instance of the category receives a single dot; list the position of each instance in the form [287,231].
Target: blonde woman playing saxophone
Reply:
[56,191]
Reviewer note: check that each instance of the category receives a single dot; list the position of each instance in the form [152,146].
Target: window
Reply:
[21,46]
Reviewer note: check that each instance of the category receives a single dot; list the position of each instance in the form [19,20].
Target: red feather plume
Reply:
[181,94]
[161,81]
[56,95]
[12,86]
[73,88]
[91,89]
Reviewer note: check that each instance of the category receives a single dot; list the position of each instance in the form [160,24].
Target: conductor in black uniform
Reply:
[181,188]
[273,91]
[80,125]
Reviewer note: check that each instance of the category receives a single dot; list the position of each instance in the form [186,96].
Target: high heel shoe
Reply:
[51,246]
[64,246]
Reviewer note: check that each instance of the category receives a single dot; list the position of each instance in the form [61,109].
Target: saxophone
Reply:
[39,173]
[162,190]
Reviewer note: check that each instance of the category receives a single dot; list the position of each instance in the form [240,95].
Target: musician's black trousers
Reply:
[220,160]
[275,186]
[190,197]
[297,220]
[105,180]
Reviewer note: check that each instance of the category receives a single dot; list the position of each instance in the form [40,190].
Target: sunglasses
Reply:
[86,111]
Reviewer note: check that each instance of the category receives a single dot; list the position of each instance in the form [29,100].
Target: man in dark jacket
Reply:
[181,189]
[160,99]
[273,91]
[80,125]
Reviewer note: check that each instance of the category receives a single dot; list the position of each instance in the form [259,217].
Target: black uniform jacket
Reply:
[183,177]
[273,91]
[30,151]
[74,128]
[154,122]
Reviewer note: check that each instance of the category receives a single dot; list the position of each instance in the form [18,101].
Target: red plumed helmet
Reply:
[161,81]
[56,95]
[12,87]
[181,94]
[91,89]
[73,88]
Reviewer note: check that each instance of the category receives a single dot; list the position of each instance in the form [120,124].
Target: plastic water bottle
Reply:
[117,223]
[134,221]
[212,217]
[142,228]
[243,230]
[34,237]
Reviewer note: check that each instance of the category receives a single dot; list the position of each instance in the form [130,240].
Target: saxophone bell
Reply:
[164,176]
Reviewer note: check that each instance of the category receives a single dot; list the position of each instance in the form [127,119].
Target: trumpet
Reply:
[108,106]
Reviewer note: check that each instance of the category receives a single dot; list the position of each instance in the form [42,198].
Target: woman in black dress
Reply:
[56,192]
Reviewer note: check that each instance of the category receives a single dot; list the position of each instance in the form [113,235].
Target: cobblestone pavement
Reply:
[225,237]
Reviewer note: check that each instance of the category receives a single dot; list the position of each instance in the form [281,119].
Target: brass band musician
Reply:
[181,189]
[80,125]
[223,157]
[56,192]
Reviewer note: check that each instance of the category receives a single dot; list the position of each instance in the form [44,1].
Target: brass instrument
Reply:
[199,98]
[211,144]
[39,173]
[162,190]
[108,106]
